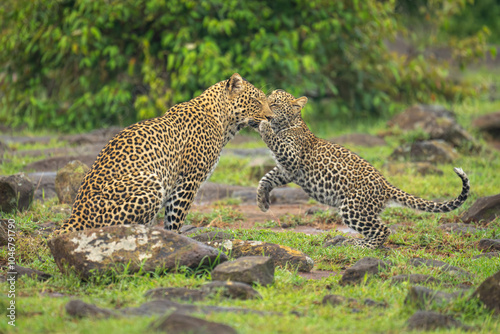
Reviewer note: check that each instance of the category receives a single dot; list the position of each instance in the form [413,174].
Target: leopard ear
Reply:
[299,103]
[235,84]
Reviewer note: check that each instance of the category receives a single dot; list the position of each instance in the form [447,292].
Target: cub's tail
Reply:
[417,203]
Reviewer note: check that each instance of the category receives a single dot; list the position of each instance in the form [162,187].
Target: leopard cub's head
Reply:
[249,103]
[286,109]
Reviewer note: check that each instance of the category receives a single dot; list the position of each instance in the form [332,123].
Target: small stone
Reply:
[183,294]
[333,300]
[489,292]
[421,297]
[228,289]
[433,151]
[68,181]
[16,193]
[428,321]
[439,264]
[489,244]
[79,309]
[373,303]
[282,256]
[313,210]
[365,266]
[176,323]
[415,279]
[485,210]
[248,269]
[459,228]
[33,273]
[489,255]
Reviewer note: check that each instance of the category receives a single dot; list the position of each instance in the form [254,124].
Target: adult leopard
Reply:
[161,162]
[333,175]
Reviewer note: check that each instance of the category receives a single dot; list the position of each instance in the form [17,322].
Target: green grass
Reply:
[418,236]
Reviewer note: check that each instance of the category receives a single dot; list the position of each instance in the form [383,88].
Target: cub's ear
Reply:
[235,84]
[299,103]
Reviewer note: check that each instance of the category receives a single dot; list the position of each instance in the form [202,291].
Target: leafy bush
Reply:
[80,64]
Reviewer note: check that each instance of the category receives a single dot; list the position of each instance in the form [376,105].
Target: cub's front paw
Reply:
[264,126]
[263,201]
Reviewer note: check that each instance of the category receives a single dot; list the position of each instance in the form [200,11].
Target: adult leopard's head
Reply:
[286,109]
[250,105]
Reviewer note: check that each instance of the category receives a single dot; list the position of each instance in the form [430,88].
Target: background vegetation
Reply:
[75,65]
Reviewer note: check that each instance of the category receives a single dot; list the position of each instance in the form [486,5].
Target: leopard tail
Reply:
[417,203]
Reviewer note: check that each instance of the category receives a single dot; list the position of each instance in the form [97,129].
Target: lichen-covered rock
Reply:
[249,269]
[68,181]
[16,192]
[283,256]
[489,292]
[484,209]
[135,247]
[433,151]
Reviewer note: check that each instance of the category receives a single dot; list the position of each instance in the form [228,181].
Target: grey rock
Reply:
[439,264]
[489,244]
[228,289]
[415,279]
[68,181]
[137,247]
[55,163]
[313,210]
[183,294]
[333,300]
[433,151]
[365,266]
[16,193]
[191,229]
[489,255]
[282,195]
[162,306]
[33,273]
[249,269]
[485,209]
[459,228]
[45,185]
[181,324]
[489,124]
[435,121]
[422,297]
[79,309]
[428,321]
[489,292]
[373,303]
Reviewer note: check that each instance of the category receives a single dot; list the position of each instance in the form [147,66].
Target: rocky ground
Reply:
[241,264]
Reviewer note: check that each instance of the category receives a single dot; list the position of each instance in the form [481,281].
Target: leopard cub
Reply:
[333,175]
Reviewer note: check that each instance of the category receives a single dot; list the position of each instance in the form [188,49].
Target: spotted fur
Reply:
[333,175]
[161,162]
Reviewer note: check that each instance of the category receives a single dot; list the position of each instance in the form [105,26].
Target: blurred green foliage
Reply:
[80,64]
